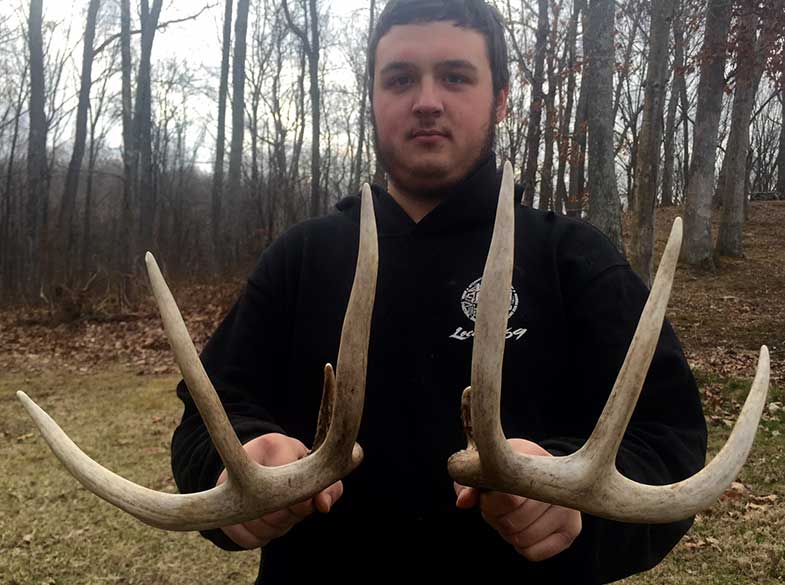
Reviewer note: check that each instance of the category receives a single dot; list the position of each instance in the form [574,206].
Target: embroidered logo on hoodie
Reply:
[469,300]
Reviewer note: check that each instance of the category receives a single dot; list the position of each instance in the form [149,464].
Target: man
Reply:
[439,85]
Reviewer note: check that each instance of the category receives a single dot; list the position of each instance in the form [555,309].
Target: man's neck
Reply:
[415,207]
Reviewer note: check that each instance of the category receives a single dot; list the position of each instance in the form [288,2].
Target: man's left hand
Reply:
[537,530]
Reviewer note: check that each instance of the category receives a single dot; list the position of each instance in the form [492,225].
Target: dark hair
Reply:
[471,14]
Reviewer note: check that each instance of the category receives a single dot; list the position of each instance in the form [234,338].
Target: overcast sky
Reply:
[197,41]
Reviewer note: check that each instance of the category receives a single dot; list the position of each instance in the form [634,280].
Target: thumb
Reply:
[467,497]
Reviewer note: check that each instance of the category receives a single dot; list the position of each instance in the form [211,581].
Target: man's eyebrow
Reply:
[458,64]
[396,66]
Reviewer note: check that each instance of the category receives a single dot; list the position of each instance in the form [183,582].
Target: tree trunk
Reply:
[534,130]
[316,106]
[546,182]
[598,39]
[565,140]
[641,253]
[697,248]
[670,131]
[220,141]
[356,179]
[65,220]
[781,153]
[732,191]
[234,184]
[684,105]
[36,151]
[143,127]
[578,151]
[126,235]
[8,260]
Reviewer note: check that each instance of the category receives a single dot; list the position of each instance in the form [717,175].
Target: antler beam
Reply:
[251,490]
[586,480]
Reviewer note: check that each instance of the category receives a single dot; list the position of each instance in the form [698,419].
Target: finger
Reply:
[302,510]
[243,537]
[265,531]
[555,519]
[548,547]
[325,499]
[496,504]
[467,497]
[520,518]
[280,520]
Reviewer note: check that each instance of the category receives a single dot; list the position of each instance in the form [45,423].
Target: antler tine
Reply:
[251,490]
[489,332]
[601,448]
[624,499]
[238,466]
[353,351]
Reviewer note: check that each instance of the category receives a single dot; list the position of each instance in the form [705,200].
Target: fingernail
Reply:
[328,502]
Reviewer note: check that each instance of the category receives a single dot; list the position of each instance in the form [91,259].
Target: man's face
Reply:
[433,105]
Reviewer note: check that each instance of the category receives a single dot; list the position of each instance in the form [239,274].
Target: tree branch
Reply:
[300,33]
[161,26]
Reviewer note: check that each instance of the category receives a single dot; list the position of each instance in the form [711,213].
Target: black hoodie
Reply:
[573,314]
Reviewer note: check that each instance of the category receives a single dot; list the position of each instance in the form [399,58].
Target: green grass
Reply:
[52,531]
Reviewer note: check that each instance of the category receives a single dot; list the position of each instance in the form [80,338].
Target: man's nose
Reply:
[428,101]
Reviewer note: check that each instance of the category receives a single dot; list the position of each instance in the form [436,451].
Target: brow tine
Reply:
[238,465]
[355,335]
[604,441]
[489,333]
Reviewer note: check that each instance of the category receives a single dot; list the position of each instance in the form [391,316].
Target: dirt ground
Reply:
[109,383]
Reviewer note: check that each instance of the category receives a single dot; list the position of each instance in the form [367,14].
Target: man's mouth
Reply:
[428,133]
[429,137]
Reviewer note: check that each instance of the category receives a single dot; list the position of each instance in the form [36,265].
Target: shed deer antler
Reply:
[586,480]
[251,490]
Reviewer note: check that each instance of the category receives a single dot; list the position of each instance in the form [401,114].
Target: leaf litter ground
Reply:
[109,382]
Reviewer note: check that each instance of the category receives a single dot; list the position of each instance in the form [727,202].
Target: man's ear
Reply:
[501,103]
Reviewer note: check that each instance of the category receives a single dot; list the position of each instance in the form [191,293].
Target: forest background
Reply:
[116,139]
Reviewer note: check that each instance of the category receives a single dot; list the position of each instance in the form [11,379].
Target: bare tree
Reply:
[234,185]
[551,112]
[697,248]
[604,205]
[534,131]
[641,252]
[37,168]
[677,81]
[126,236]
[565,140]
[781,155]
[356,179]
[311,46]
[577,157]
[220,141]
[65,221]
[731,190]
[143,125]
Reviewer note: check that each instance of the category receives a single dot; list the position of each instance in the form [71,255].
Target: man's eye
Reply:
[399,81]
[455,79]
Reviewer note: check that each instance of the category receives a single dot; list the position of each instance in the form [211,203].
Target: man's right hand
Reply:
[272,450]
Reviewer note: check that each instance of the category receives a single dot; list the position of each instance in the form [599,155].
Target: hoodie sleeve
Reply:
[242,359]
[665,441]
